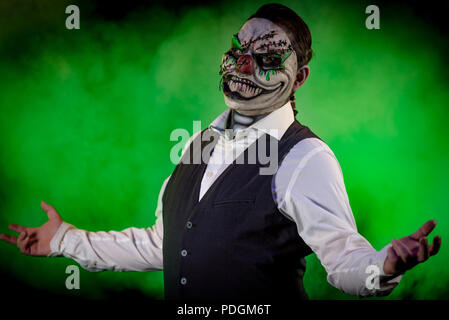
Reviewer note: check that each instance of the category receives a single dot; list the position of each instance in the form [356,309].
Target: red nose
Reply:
[245,64]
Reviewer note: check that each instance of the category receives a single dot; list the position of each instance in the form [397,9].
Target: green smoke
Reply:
[86,117]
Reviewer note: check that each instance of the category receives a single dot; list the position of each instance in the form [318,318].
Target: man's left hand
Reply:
[407,252]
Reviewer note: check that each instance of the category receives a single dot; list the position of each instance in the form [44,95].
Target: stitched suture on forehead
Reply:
[280,44]
[266,36]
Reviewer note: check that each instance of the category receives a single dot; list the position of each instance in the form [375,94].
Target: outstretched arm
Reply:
[132,249]
[310,190]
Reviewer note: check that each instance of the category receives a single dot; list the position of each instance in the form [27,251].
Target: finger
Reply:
[20,239]
[17,228]
[435,246]
[393,264]
[424,230]
[22,235]
[8,238]
[27,246]
[27,243]
[423,252]
[51,212]
[393,255]
[22,242]
[401,250]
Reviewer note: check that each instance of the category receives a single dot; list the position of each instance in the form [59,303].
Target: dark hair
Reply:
[292,24]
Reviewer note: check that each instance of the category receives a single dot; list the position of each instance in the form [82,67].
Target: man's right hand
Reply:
[36,241]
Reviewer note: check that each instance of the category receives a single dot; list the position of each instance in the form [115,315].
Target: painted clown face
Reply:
[259,71]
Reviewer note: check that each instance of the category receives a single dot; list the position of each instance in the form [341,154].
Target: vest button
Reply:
[183,280]
[189,225]
[184,253]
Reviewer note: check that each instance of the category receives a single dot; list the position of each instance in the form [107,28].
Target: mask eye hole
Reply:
[269,61]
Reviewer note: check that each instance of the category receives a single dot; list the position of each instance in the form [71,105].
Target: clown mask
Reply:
[259,71]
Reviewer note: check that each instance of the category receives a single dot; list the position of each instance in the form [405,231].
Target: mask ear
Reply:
[301,77]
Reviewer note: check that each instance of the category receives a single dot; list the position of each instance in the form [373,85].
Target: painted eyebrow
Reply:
[236,42]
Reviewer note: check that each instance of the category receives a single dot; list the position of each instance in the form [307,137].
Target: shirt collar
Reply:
[275,124]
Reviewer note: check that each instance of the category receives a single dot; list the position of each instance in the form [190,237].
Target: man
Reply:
[226,231]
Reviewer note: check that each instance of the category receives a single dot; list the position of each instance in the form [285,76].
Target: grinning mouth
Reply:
[243,89]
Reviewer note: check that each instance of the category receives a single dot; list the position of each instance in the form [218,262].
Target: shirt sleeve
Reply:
[309,189]
[132,249]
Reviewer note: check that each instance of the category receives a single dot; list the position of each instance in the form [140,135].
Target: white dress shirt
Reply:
[308,189]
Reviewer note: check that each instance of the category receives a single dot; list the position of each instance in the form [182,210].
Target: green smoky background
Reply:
[86,117]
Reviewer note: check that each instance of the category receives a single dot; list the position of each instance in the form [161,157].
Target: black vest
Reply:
[234,244]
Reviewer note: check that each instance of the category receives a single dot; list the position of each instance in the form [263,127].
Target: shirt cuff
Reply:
[56,241]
